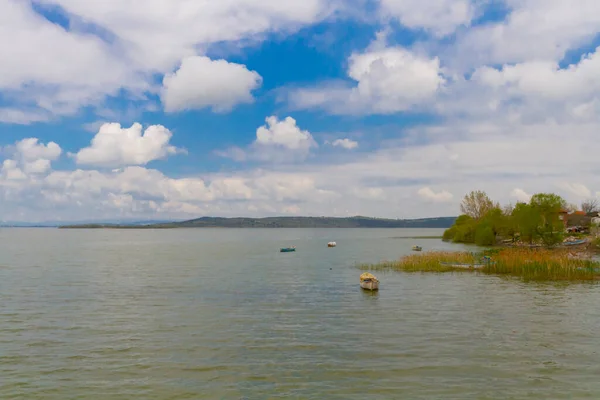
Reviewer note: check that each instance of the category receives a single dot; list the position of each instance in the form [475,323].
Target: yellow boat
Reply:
[368,281]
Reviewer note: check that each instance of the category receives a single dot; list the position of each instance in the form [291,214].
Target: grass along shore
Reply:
[528,264]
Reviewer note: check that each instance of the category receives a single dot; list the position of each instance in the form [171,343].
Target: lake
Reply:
[221,314]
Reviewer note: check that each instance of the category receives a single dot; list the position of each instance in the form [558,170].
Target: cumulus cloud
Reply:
[114,146]
[29,156]
[154,39]
[388,80]
[533,30]
[441,196]
[440,17]
[546,80]
[201,82]
[345,143]
[280,141]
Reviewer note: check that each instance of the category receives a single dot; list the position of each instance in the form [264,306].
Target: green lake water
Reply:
[221,314]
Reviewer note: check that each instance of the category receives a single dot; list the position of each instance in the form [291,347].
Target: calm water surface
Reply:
[221,314]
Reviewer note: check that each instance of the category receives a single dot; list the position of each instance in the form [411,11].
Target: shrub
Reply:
[449,234]
[465,234]
[484,236]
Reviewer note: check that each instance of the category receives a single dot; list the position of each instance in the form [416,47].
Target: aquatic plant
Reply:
[538,264]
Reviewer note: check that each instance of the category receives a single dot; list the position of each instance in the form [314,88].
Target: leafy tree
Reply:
[484,236]
[463,230]
[449,234]
[496,220]
[548,203]
[477,204]
[590,206]
[545,209]
[525,221]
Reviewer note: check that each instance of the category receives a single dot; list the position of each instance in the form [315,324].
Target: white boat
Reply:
[369,281]
[417,248]
[331,244]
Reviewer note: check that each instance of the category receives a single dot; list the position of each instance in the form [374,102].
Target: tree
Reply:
[545,208]
[548,203]
[484,236]
[477,204]
[525,221]
[590,206]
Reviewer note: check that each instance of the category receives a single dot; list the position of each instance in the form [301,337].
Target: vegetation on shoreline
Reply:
[483,222]
[417,237]
[528,264]
[285,222]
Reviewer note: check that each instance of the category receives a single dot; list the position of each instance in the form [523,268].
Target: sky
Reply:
[178,109]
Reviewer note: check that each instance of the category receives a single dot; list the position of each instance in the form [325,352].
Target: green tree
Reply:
[484,235]
[525,221]
[545,208]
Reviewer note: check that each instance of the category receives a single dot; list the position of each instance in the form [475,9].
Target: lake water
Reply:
[221,314]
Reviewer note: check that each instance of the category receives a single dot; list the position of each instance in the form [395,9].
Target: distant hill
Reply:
[285,222]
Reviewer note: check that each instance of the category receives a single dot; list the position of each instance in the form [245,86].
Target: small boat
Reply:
[463,266]
[575,242]
[287,249]
[417,248]
[369,282]
[331,244]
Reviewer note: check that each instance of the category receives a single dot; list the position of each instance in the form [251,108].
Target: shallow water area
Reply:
[222,314]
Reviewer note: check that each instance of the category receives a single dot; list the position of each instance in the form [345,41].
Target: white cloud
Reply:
[60,86]
[545,80]
[533,30]
[577,189]
[284,134]
[441,17]
[30,150]
[278,141]
[441,196]
[30,157]
[126,49]
[388,80]
[521,195]
[115,146]
[201,82]
[345,143]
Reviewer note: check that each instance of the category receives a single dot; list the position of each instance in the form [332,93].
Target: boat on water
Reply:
[287,249]
[417,248]
[368,281]
[331,244]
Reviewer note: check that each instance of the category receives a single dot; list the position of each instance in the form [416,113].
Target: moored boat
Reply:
[287,249]
[463,266]
[331,244]
[417,248]
[369,281]
[575,242]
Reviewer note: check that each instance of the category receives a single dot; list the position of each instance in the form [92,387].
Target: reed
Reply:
[529,264]
[424,262]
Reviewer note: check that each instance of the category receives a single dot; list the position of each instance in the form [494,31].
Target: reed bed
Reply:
[528,264]
[424,262]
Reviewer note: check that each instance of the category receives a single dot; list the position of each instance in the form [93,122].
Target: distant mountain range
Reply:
[280,222]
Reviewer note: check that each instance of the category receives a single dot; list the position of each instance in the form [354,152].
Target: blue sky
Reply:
[388,108]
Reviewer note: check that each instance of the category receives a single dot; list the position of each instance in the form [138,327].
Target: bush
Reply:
[449,234]
[465,234]
[484,236]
